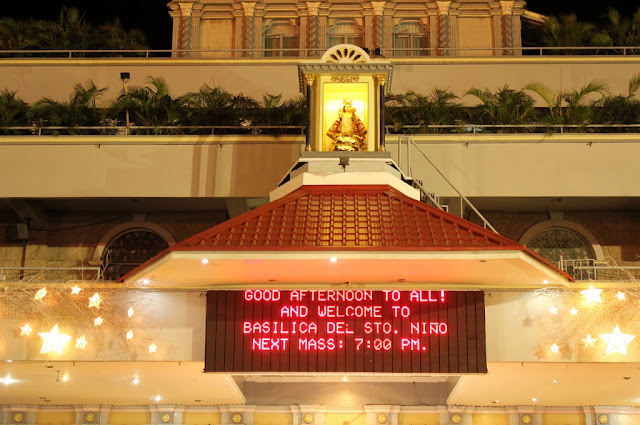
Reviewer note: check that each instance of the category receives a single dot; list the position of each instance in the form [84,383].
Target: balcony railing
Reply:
[591,269]
[276,130]
[297,53]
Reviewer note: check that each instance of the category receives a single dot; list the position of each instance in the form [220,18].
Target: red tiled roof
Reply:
[347,217]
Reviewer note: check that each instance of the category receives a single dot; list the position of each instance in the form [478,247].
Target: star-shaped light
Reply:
[53,340]
[130,334]
[589,341]
[95,301]
[620,296]
[97,321]
[76,290]
[26,330]
[616,341]
[130,311]
[555,348]
[553,309]
[153,347]
[81,342]
[573,311]
[592,294]
[40,294]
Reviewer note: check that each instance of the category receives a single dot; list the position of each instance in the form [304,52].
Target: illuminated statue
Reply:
[348,132]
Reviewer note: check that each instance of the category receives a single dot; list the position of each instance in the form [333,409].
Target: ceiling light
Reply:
[135,380]
[534,399]
[555,381]
[158,398]
[64,378]
[545,282]
[205,261]
[495,401]
[145,281]
[333,259]
[345,378]
[7,380]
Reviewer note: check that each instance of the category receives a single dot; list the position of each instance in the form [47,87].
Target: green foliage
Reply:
[569,107]
[13,111]
[149,106]
[505,106]
[568,31]
[79,111]
[69,32]
[618,30]
[436,108]
[620,109]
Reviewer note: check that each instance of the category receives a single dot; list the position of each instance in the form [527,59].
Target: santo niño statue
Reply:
[348,132]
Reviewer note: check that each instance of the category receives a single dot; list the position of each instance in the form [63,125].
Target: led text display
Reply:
[345,331]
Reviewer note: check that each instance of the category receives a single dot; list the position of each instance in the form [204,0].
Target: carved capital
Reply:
[507,7]
[381,79]
[310,78]
[185,9]
[313,8]
[378,7]
[443,7]
[248,8]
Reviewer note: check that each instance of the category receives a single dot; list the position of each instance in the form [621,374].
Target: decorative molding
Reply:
[378,7]
[443,7]
[507,7]
[343,78]
[249,8]
[185,9]
[313,8]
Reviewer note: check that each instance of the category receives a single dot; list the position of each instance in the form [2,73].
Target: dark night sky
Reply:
[151,15]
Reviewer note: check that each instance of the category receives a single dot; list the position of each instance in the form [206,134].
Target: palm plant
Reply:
[79,111]
[113,36]
[505,106]
[13,111]
[149,106]
[70,32]
[17,35]
[620,109]
[571,107]
[621,31]
[208,106]
[435,109]
[568,31]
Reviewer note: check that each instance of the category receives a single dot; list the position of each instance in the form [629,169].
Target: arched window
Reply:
[410,34]
[572,248]
[283,36]
[346,31]
[130,249]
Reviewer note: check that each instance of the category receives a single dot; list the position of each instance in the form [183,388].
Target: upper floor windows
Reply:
[281,38]
[410,38]
[346,31]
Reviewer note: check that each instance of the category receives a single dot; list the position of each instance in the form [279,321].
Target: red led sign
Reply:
[345,331]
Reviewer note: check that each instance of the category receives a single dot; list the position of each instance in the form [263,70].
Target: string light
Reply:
[95,301]
[153,347]
[130,311]
[53,340]
[26,330]
[98,321]
[592,295]
[130,334]
[573,311]
[76,290]
[81,343]
[620,295]
[40,294]
[553,309]
[589,341]
[616,341]
[555,348]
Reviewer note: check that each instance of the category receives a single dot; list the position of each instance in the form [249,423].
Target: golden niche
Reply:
[348,131]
